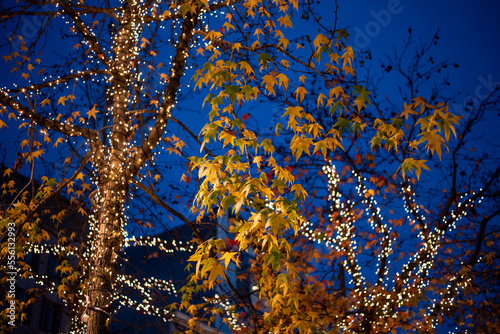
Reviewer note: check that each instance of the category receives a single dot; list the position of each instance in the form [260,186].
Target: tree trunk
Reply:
[112,184]
[108,239]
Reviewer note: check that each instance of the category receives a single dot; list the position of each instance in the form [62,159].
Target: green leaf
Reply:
[264,58]
[342,124]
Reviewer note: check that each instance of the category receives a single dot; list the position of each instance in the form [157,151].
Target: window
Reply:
[50,317]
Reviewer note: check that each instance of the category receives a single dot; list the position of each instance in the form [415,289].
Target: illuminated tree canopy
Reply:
[354,214]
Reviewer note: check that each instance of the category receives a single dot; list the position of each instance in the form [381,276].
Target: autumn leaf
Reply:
[58,141]
[200,51]
[92,112]
[164,77]
[227,257]
[413,165]
[62,100]
[257,160]
[300,93]
[7,172]
[407,111]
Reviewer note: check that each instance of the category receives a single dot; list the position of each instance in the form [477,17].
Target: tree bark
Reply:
[112,185]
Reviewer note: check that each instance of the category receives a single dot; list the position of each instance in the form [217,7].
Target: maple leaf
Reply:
[7,172]
[200,51]
[300,93]
[25,76]
[285,21]
[407,111]
[320,40]
[257,160]
[164,76]
[37,153]
[269,81]
[227,257]
[92,112]
[62,100]
[45,101]
[58,141]
[144,42]
[434,141]
[411,164]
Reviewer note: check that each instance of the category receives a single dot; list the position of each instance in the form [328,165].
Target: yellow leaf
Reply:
[2,124]
[407,111]
[269,81]
[58,141]
[300,93]
[164,76]
[44,102]
[283,80]
[320,100]
[7,172]
[257,160]
[37,153]
[92,112]
[62,100]
[25,76]
[258,32]
[228,257]
[320,40]
[30,67]
[200,50]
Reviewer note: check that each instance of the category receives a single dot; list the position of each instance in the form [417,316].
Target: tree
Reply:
[112,69]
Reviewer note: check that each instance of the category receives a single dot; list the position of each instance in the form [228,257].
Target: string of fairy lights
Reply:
[126,54]
[418,265]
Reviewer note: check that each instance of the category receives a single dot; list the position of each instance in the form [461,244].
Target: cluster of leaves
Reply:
[264,193]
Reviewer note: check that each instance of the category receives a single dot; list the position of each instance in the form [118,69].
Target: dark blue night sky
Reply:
[469,36]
